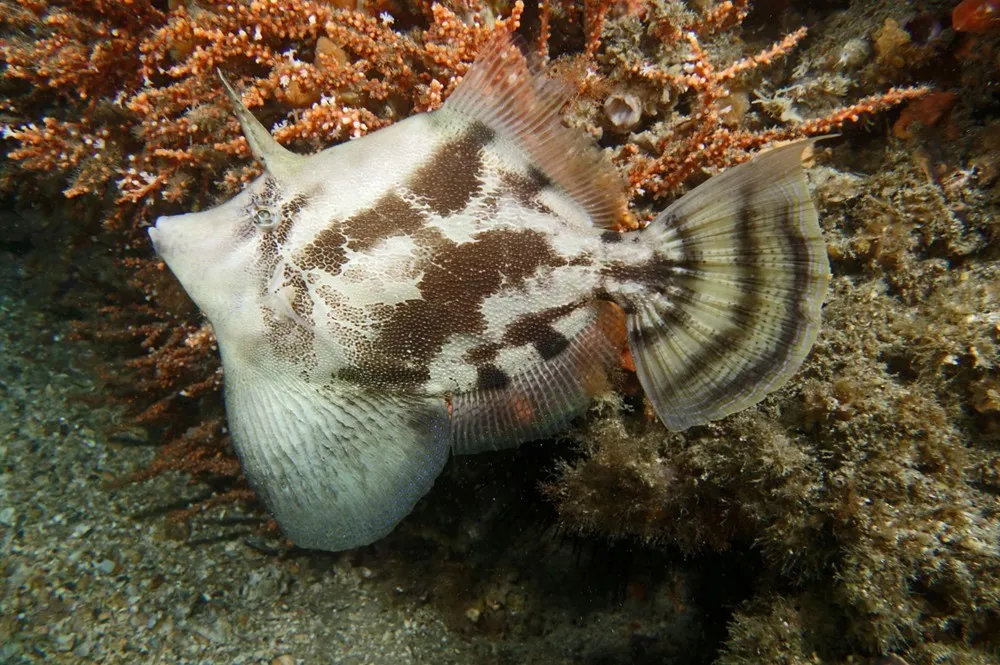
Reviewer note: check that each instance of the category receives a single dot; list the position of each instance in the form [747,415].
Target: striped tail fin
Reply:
[742,271]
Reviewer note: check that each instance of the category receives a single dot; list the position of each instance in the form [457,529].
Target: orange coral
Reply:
[927,111]
[363,75]
[702,140]
[976,16]
[153,128]
[320,73]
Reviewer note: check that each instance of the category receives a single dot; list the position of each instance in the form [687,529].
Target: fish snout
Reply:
[155,236]
[160,234]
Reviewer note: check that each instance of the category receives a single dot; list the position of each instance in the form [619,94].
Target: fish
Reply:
[459,282]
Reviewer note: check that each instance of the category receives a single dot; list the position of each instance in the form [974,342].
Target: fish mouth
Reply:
[153,235]
[158,235]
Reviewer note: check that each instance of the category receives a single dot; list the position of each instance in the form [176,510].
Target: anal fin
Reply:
[543,398]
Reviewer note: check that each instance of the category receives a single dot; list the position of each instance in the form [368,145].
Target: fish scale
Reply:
[456,283]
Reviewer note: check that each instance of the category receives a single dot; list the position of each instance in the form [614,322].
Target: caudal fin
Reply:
[741,271]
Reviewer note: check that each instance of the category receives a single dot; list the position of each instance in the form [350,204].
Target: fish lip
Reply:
[153,233]
[157,233]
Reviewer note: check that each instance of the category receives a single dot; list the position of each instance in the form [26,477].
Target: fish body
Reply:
[455,282]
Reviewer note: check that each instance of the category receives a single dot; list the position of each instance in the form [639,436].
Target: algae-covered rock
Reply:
[869,485]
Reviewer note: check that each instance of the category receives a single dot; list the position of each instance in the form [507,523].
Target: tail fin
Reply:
[741,270]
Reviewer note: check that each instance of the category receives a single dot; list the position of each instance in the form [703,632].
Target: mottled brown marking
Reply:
[483,353]
[453,175]
[536,329]
[246,230]
[265,197]
[454,285]
[268,193]
[430,238]
[489,204]
[289,340]
[550,343]
[381,372]
[390,216]
[302,302]
[491,377]
[289,214]
[331,298]
[326,252]
[526,188]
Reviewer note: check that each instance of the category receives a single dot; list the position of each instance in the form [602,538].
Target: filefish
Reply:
[457,282]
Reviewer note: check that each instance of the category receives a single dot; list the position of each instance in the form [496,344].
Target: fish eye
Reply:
[264,218]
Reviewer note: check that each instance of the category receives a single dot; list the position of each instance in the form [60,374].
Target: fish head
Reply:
[216,254]
[225,256]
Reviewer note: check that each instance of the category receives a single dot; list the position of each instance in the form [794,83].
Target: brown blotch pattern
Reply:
[453,287]
[289,213]
[453,175]
[536,329]
[302,302]
[491,377]
[482,353]
[526,188]
[390,216]
[326,252]
[266,197]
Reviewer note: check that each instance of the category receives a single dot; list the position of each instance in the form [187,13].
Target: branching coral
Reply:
[321,74]
[850,475]
[698,109]
[75,60]
[869,486]
[134,111]
[326,76]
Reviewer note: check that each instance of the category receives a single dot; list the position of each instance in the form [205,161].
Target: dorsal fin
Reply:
[278,160]
[502,91]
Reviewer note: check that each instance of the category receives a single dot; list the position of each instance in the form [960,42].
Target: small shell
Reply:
[624,110]
[733,108]
[326,47]
[854,53]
